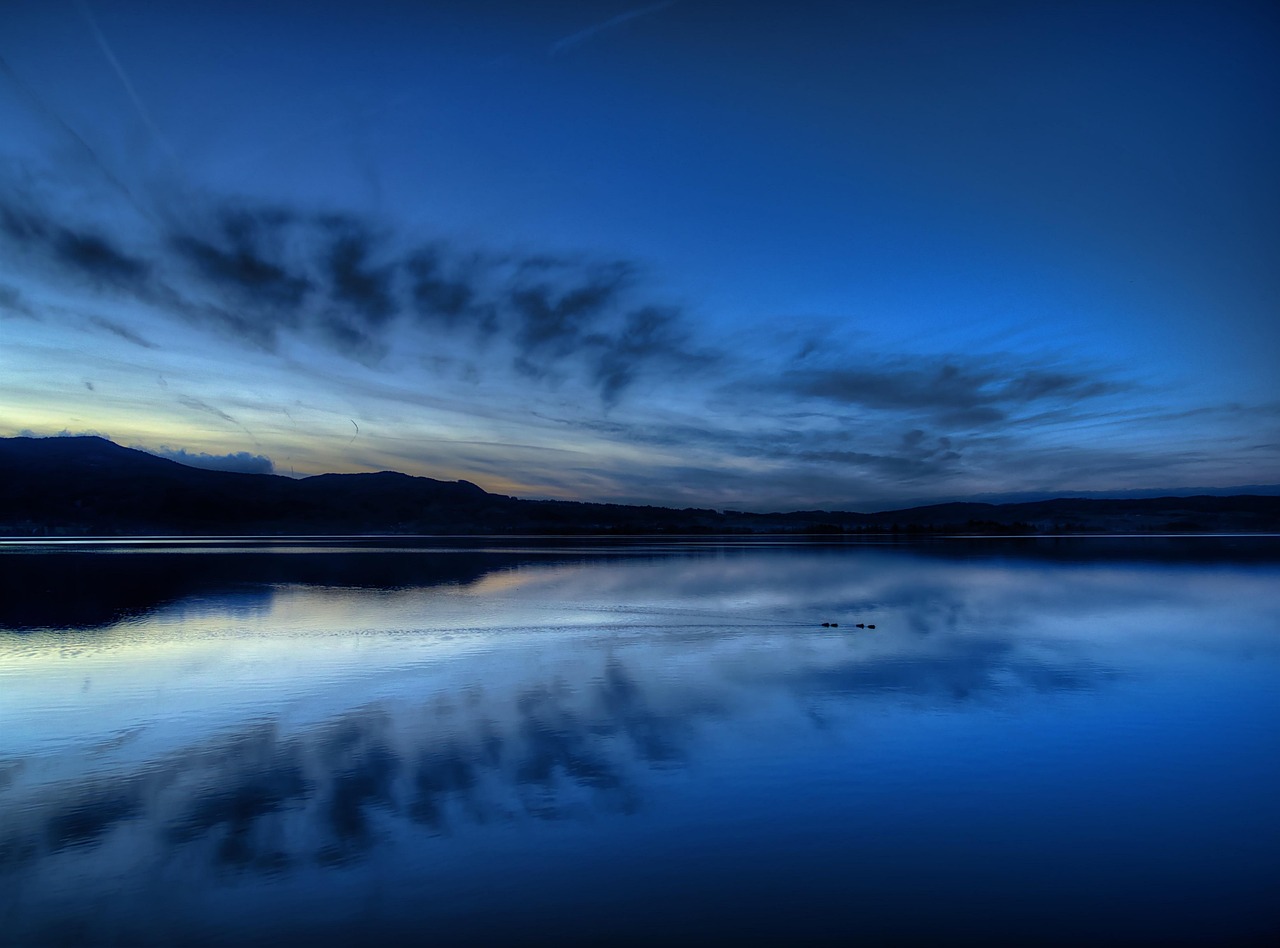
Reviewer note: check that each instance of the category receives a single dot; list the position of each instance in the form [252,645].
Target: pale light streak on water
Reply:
[548,742]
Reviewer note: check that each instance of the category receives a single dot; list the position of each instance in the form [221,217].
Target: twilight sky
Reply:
[760,255]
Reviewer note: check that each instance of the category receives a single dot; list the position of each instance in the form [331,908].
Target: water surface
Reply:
[310,741]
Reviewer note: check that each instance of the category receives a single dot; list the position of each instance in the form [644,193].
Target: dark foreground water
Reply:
[319,743]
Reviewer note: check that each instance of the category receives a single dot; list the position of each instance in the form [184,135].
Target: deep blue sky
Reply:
[761,255]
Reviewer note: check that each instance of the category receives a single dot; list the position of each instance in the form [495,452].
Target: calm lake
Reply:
[584,741]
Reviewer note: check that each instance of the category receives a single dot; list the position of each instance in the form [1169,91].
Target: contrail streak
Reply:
[580,37]
[48,112]
[124,80]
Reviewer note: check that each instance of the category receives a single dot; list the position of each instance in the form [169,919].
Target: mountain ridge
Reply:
[90,486]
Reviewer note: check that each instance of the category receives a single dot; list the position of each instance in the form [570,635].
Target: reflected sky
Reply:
[671,725]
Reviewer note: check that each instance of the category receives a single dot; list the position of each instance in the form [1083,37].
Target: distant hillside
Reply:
[89,486]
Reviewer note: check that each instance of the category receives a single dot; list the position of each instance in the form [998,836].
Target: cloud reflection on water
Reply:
[385,739]
[261,798]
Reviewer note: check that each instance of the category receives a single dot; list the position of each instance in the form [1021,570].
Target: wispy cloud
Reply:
[958,391]
[121,332]
[258,273]
[615,392]
[197,404]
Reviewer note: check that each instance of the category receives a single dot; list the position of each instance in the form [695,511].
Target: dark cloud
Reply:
[438,296]
[101,263]
[961,392]
[1038,384]
[22,227]
[241,280]
[123,332]
[351,338]
[234,257]
[650,334]
[901,386]
[355,283]
[88,255]
[819,454]
[12,303]
[99,259]
[557,310]
[906,466]
[252,272]
[241,462]
[552,317]
[244,324]
[255,272]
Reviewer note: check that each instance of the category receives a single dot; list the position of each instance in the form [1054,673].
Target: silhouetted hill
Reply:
[1197,514]
[88,486]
